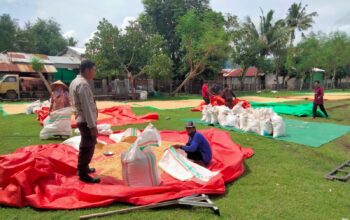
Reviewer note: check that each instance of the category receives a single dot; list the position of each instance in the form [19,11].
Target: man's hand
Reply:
[177,146]
[94,131]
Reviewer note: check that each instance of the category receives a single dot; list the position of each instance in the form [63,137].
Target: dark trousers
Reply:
[314,110]
[207,100]
[197,156]
[86,149]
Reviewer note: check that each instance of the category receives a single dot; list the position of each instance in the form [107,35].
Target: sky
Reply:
[79,18]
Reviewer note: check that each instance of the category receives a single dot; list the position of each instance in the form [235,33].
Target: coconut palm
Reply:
[298,19]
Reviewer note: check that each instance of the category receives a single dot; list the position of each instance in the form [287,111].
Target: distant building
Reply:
[19,63]
[77,52]
[252,78]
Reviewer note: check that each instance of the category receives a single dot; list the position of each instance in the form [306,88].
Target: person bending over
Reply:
[228,95]
[197,147]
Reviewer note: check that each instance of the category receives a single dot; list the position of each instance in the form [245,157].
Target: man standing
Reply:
[197,147]
[85,109]
[318,100]
[205,93]
[228,95]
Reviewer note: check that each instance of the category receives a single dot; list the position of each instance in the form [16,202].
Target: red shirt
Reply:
[205,91]
[318,96]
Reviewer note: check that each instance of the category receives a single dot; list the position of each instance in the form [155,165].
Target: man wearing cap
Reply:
[197,147]
[85,109]
[59,96]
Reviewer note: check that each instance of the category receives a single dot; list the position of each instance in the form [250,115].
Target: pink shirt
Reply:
[318,95]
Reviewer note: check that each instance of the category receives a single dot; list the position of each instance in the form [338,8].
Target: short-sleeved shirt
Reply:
[83,101]
[198,143]
[205,91]
[319,96]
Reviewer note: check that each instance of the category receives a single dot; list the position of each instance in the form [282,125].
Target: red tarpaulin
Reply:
[218,100]
[120,115]
[44,176]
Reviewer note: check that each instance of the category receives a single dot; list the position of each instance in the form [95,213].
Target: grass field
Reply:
[282,180]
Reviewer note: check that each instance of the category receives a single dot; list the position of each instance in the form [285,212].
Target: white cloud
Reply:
[126,21]
[89,38]
[70,33]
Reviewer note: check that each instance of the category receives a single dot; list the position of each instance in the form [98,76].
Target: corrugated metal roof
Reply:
[27,57]
[251,72]
[78,50]
[64,60]
[19,62]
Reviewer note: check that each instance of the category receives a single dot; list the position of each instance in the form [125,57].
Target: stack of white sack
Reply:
[176,164]
[139,163]
[57,123]
[103,129]
[263,121]
[36,105]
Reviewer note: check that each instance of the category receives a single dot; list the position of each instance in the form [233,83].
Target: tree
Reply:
[133,52]
[304,57]
[335,53]
[163,16]
[298,19]
[38,66]
[202,36]
[103,50]
[8,29]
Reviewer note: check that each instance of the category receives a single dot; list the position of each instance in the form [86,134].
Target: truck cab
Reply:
[9,86]
[14,87]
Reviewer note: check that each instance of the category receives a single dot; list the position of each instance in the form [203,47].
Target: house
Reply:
[19,63]
[67,68]
[77,52]
[252,78]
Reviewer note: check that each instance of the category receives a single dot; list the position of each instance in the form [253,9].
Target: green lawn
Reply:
[282,180]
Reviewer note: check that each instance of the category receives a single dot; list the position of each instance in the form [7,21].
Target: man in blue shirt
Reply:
[197,147]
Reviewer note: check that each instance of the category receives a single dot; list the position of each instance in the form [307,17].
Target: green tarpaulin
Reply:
[301,110]
[311,134]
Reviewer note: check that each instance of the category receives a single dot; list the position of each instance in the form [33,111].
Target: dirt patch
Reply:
[327,96]
[111,165]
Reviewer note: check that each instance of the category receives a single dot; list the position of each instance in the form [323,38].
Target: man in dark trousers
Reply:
[84,107]
[318,100]
[228,95]
[205,92]
[197,147]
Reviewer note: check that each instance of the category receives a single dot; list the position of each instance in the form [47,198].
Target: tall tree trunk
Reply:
[45,82]
[187,79]
[242,83]
[302,83]
[333,78]
[277,80]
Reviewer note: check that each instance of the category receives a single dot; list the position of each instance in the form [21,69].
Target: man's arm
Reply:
[233,94]
[192,147]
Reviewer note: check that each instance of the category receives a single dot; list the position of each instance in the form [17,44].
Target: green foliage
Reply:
[8,28]
[298,19]
[41,37]
[36,64]
[203,39]
[132,50]
[163,16]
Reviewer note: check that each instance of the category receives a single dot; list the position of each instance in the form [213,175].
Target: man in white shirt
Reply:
[84,107]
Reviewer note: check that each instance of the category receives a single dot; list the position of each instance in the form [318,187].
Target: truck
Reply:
[14,87]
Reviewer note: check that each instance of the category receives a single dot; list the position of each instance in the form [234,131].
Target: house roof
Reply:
[78,50]
[20,62]
[251,72]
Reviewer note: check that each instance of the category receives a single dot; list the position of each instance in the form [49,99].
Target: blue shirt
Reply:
[199,143]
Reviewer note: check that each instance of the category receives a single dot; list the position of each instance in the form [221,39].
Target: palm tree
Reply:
[298,19]
[272,37]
